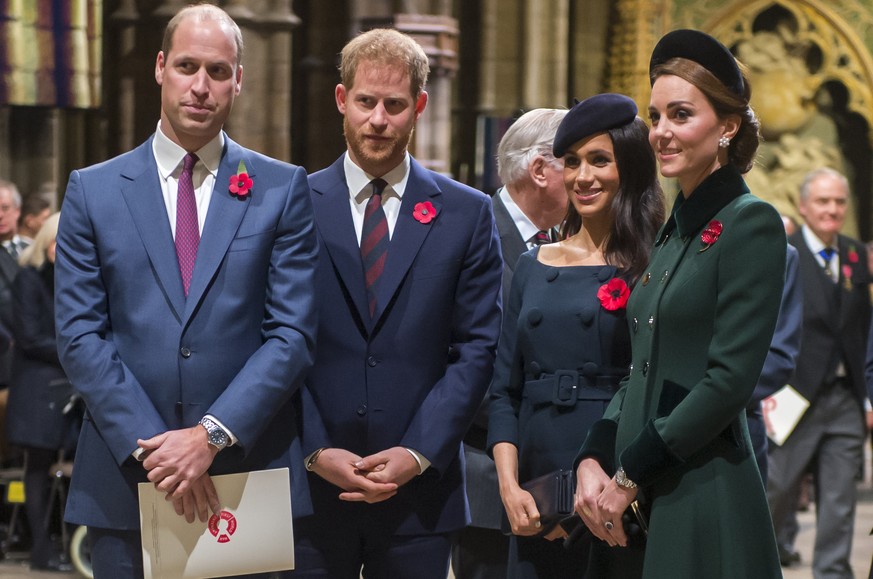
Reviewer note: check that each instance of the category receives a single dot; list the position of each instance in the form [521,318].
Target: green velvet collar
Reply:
[717,190]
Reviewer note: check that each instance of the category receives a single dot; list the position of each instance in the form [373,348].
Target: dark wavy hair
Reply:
[744,145]
[638,207]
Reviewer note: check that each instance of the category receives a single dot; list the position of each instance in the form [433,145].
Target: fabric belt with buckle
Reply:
[565,387]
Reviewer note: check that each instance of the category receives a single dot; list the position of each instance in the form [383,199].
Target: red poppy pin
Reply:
[241,183]
[853,255]
[613,294]
[710,234]
[424,212]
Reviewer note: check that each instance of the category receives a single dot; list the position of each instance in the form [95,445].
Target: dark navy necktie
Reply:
[187,228]
[374,241]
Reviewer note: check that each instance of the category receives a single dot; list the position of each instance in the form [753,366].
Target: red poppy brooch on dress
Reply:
[424,212]
[613,294]
[853,255]
[241,183]
[710,234]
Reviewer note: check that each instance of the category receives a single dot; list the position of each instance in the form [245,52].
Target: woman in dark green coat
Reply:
[701,321]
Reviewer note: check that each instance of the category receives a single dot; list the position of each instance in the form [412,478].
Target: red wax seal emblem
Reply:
[222,526]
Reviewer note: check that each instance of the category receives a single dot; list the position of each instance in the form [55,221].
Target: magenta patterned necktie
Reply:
[187,229]
[374,241]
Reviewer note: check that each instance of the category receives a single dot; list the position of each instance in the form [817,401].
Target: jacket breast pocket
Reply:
[251,241]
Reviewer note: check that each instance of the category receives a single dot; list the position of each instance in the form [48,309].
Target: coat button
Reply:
[647,277]
[186,353]
[645,368]
[362,409]
[371,361]
[664,276]
[651,322]
[636,324]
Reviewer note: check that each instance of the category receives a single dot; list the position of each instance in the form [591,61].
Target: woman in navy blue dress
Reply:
[40,391]
[565,342]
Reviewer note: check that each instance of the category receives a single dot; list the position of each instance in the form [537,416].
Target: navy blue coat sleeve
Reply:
[785,346]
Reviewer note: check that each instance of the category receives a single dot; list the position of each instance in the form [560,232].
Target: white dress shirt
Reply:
[815,246]
[360,192]
[525,226]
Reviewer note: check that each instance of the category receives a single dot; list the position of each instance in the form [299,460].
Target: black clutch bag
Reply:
[553,494]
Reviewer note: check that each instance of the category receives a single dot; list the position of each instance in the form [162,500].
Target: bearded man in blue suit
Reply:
[184,305]
[409,290]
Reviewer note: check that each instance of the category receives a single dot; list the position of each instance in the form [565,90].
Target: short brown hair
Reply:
[744,145]
[203,12]
[385,47]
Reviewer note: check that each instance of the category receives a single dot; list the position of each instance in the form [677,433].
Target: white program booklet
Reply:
[253,533]
[782,411]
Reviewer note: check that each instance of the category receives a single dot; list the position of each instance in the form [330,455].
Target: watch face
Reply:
[217,437]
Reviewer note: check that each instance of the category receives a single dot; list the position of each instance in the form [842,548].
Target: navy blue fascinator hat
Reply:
[704,50]
[593,115]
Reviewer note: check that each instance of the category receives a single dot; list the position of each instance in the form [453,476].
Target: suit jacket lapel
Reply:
[408,235]
[330,203]
[822,299]
[511,241]
[222,222]
[143,197]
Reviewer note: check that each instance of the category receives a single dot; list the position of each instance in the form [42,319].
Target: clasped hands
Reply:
[600,501]
[177,461]
[369,479]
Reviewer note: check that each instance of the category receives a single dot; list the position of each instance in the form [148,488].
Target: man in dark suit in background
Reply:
[184,304]
[829,374]
[527,208]
[409,285]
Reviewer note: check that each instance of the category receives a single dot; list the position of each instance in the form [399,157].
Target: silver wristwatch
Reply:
[215,434]
[622,480]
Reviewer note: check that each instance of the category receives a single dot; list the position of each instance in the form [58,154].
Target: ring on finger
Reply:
[609,526]
[586,512]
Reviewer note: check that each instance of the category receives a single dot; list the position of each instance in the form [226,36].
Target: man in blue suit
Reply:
[185,310]
[409,289]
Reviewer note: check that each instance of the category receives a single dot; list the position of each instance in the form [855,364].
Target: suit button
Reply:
[664,276]
[651,322]
[362,409]
[371,361]
[645,368]
[636,324]
[186,353]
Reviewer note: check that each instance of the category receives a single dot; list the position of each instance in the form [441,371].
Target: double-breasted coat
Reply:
[40,390]
[701,320]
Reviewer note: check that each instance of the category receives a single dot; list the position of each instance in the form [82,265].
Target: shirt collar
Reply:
[717,190]
[169,155]
[525,226]
[813,242]
[358,180]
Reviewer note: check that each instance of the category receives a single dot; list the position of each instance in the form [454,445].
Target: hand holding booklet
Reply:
[252,534]
[782,411]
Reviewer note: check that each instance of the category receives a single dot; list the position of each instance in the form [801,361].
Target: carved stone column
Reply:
[121,102]
[545,60]
[261,118]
